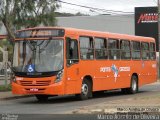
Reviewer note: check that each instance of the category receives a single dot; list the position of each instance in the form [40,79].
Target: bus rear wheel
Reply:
[86,90]
[134,85]
[42,98]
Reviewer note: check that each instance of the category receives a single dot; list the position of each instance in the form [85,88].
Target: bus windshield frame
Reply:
[38,58]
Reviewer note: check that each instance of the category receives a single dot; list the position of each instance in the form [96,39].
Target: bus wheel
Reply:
[42,98]
[134,85]
[86,90]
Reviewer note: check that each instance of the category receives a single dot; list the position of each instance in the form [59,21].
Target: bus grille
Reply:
[35,83]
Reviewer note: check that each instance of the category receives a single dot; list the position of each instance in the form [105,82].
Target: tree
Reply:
[15,14]
[3,43]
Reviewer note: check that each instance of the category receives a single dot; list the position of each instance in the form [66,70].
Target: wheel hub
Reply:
[134,85]
[84,89]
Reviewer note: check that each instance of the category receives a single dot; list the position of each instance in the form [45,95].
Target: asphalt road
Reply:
[63,104]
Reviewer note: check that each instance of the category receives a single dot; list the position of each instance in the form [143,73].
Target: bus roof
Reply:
[82,32]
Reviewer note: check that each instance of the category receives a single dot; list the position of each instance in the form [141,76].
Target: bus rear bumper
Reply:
[53,89]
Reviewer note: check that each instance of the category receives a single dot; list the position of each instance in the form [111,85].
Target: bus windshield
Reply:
[31,56]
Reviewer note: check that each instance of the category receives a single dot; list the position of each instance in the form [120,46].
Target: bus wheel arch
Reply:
[134,85]
[89,78]
[86,88]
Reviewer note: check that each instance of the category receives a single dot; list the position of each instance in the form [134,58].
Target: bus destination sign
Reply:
[40,33]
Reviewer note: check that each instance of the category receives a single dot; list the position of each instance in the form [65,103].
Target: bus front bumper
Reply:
[53,89]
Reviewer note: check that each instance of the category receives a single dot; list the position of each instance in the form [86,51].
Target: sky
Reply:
[116,5]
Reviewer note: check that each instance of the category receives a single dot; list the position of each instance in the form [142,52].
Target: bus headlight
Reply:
[59,76]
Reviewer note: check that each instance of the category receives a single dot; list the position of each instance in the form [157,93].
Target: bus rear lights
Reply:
[59,76]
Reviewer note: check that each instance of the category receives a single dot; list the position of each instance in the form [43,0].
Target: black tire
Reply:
[134,85]
[86,90]
[42,98]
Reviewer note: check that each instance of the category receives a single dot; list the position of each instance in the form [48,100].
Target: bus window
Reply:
[145,50]
[113,47]
[136,53]
[152,51]
[72,51]
[125,49]
[86,48]
[101,48]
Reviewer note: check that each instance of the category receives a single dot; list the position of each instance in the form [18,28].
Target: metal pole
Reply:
[5,61]
[158,5]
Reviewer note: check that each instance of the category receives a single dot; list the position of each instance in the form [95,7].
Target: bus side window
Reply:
[136,52]
[145,50]
[152,51]
[113,48]
[101,48]
[125,49]
[86,48]
[72,51]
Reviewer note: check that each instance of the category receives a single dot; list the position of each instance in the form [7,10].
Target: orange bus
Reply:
[59,61]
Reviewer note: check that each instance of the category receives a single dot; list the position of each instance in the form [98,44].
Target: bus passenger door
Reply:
[72,65]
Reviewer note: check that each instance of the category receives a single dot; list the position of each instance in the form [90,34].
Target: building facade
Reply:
[110,23]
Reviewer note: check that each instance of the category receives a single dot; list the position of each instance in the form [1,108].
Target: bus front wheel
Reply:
[86,90]
[42,98]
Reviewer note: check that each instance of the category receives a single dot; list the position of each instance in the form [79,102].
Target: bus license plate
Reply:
[34,90]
